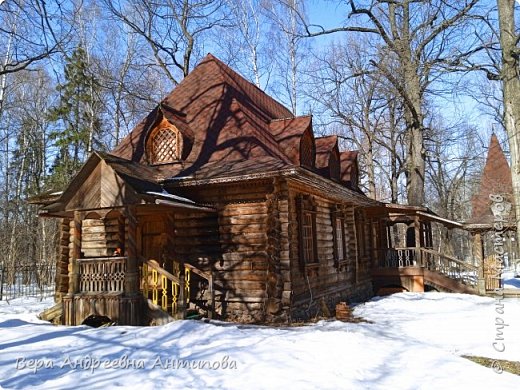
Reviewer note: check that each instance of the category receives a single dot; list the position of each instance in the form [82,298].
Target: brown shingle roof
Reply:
[495,180]
[349,168]
[324,146]
[226,117]
[288,132]
[226,120]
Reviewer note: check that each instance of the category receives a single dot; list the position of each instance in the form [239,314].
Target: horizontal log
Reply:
[100,229]
[248,228]
[244,265]
[240,295]
[96,252]
[243,219]
[241,285]
[228,276]
[231,247]
[244,237]
[100,237]
[232,211]
[110,245]
[198,231]
[245,255]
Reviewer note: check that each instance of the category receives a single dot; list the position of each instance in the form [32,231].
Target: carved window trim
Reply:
[307,238]
[339,236]
[165,145]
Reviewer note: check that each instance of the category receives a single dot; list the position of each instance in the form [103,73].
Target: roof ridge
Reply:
[232,77]
[291,118]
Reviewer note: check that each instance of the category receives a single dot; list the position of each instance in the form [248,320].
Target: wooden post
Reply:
[212,296]
[132,272]
[417,231]
[478,255]
[62,262]
[75,252]
[181,300]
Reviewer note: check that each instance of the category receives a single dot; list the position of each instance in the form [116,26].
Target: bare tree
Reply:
[30,31]
[245,43]
[420,42]
[170,28]
[510,76]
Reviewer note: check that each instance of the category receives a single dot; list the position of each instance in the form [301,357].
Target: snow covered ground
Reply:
[509,280]
[414,342]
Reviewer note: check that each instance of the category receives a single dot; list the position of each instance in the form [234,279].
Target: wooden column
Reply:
[75,252]
[417,232]
[62,264]
[356,246]
[478,256]
[132,270]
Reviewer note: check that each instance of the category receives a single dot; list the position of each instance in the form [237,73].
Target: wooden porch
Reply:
[420,269]
[130,289]
[419,265]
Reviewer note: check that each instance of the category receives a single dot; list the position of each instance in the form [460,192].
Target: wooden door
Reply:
[153,239]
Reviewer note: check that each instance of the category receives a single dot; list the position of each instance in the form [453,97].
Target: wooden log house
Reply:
[219,200]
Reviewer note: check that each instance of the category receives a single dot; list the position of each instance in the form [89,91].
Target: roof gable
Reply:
[327,156]
[101,183]
[349,168]
[203,103]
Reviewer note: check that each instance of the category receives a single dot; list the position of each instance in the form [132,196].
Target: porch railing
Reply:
[432,260]
[449,266]
[165,289]
[172,291]
[398,257]
[101,275]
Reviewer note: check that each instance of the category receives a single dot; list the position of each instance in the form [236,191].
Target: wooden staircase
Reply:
[416,268]
[186,292]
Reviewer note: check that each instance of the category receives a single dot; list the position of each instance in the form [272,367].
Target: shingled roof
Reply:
[228,125]
[349,168]
[495,180]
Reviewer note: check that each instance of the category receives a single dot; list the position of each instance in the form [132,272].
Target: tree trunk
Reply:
[511,95]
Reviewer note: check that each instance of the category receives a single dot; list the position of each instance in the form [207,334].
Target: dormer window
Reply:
[307,151]
[165,145]
[334,168]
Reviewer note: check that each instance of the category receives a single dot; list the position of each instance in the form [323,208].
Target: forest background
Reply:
[416,86]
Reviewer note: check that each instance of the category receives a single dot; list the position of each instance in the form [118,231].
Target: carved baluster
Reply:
[187,278]
[155,291]
[164,296]
[175,298]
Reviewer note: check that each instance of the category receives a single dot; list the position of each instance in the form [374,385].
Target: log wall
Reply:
[234,242]
[325,280]
[101,237]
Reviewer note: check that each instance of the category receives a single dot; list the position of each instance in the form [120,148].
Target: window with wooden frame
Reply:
[165,145]
[340,242]
[363,234]
[307,230]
